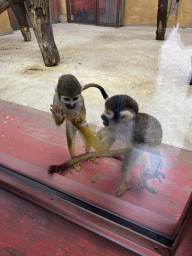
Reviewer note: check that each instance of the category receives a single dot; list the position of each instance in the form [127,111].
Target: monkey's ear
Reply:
[127,115]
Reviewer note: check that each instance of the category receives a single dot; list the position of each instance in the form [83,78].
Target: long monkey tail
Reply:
[63,167]
[103,92]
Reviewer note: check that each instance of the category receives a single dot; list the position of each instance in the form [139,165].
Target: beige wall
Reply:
[185,12]
[145,12]
[140,12]
[63,11]
[4,24]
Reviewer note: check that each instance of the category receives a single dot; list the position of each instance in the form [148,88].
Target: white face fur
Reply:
[70,101]
[126,115]
[109,114]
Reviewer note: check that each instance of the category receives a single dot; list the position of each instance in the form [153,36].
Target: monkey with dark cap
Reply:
[142,132]
[67,102]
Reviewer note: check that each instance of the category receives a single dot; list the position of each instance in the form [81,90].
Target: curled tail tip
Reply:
[52,169]
[106,96]
[102,90]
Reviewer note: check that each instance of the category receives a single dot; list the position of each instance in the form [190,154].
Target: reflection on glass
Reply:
[156,174]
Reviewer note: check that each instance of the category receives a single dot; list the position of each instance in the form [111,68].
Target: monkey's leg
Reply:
[71,133]
[87,149]
[147,171]
[130,157]
[20,13]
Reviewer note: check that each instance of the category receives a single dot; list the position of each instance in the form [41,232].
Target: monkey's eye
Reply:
[76,98]
[66,99]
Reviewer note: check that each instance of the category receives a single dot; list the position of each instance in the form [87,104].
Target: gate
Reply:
[99,12]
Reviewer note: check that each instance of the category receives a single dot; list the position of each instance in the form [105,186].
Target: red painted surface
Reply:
[28,230]
[83,10]
[32,137]
[101,226]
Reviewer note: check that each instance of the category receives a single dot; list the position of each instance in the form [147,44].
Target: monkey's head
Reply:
[69,91]
[119,108]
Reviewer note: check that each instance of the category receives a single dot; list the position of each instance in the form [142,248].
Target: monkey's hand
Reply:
[58,114]
[79,119]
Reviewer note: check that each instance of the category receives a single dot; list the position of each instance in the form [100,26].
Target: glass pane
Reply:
[124,61]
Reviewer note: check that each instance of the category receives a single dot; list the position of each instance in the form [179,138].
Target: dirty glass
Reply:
[128,61]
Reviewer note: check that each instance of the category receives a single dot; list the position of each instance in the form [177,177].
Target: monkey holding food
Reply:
[67,102]
[142,132]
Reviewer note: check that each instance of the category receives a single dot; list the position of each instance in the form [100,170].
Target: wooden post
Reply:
[20,14]
[39,14]
[161,19]
[4,5]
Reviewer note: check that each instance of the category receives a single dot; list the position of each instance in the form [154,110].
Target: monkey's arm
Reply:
[57,114]
[101,141]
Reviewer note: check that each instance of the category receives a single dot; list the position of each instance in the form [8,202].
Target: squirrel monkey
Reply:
[67,102]
[142,132]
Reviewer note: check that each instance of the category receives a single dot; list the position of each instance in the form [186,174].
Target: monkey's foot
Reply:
[94,159]
[77,167]
[148,185]
[124,186]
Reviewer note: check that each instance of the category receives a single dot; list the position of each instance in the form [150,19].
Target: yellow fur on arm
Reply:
[92,138]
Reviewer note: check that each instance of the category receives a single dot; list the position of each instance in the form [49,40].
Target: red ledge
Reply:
[30,142]
[101,226]
[87,193]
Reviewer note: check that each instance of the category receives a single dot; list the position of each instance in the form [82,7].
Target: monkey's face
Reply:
[111,118]
[69,102]
[69,91]
[119,109]
[107,116]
